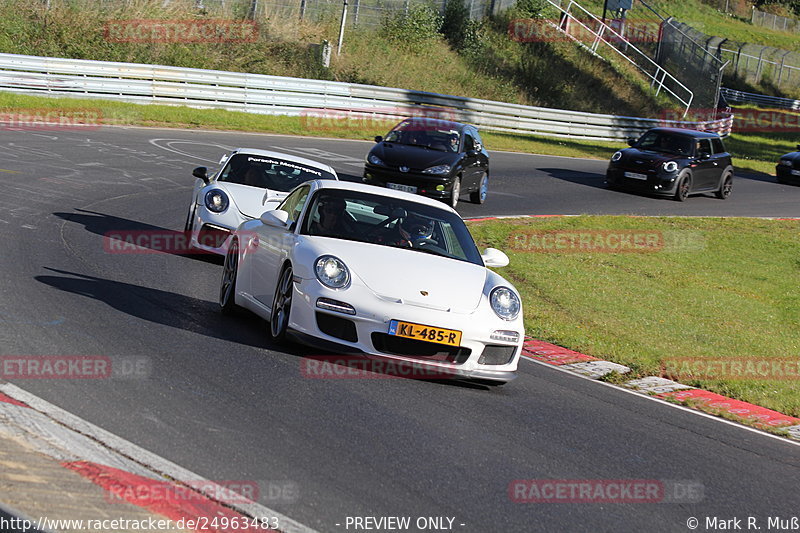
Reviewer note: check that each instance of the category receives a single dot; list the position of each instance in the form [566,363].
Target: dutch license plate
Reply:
[400,187]
[635,175]
[795,172]
[421,332]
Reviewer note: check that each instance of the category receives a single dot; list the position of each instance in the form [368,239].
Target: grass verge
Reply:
[715,289]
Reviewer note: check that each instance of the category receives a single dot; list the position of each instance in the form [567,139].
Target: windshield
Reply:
[665,142]
[364,217]
[426,136]
[269,172]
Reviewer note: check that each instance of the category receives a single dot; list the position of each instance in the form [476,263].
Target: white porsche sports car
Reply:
[248,180]
[351,268]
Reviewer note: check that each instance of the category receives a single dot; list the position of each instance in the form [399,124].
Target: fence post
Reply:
[356,5]
[341,28]
[302,9]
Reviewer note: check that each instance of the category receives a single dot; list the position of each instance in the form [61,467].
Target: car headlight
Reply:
[438,169]
[505,303]
[216,201]
[332,272]
[617,156]
[670,166]
[375,160]
[785,162]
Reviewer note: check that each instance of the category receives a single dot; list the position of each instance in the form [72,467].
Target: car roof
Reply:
[434,123]
[288,157]
[687,132]
[380,191]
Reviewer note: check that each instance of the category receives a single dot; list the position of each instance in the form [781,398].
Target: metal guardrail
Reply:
[740,97]
[314,99]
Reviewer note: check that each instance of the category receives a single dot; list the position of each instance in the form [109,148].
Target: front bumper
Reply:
[785,173]
[478,357]
[437,187]
[658,182]
[213,231]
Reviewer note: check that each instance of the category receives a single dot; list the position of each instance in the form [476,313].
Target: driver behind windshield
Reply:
[411,231]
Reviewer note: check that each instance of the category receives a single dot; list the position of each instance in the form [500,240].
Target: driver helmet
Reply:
[415,228]
[453,141]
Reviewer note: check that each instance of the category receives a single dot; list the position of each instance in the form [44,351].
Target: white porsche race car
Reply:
[352,268]
[248,180]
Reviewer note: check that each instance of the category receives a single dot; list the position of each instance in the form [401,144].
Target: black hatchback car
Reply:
[673,162]
[788,168]
[431,157]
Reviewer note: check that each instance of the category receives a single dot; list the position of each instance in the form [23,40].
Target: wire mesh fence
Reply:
[682,51]
[367,13]
[689,50]
[775,22]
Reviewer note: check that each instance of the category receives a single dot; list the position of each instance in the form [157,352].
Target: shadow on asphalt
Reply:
[162,307]
[102,224]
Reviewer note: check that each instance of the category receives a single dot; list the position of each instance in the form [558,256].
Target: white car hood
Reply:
[248,200]
[397,274]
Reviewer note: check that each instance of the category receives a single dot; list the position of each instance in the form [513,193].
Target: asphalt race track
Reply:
[224,402]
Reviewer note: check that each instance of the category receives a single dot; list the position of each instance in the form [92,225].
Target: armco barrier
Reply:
[276,95]
[762,100]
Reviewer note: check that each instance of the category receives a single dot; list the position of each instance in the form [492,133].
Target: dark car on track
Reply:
[673,162]
[788,168]
[435,158]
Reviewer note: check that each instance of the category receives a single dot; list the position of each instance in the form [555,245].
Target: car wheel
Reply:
[726,187]
[227,289]
[479,196]
[281,305]
[456,192]
[684,185]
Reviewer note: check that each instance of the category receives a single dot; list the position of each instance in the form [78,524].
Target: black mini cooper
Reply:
[435,158]
[788,168]
[673,162]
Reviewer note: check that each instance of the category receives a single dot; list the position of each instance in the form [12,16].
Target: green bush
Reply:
[413,30]
[463,34]
[530,8]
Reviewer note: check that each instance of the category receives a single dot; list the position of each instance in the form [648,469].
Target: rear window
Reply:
[716,144]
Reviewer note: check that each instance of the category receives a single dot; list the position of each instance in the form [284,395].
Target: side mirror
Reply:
[492,257]
[478,147]
[202,173]
[276,218]
[378,138]
[631,141]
